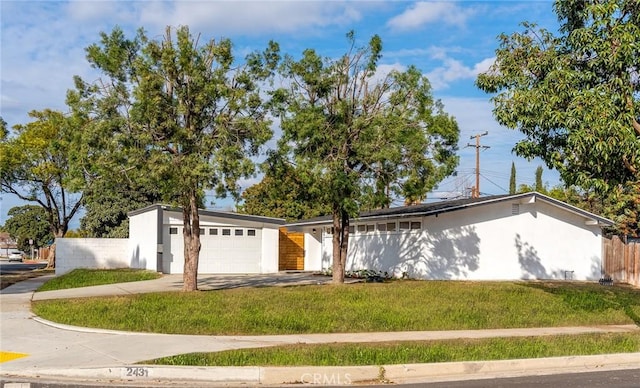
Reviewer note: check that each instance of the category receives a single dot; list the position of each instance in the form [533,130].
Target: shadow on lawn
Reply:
[593,297]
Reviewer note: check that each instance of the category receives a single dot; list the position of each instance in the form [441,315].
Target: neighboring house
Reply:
[507,237]
[230,243]
[6,243]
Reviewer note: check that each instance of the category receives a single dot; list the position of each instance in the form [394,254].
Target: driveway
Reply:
[174,283]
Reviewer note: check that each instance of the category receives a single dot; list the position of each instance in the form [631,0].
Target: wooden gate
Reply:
[622,260]
[291,251]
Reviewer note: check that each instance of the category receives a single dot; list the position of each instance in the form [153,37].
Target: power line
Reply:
[495,184]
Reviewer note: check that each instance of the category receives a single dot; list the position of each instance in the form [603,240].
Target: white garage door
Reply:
[225,249]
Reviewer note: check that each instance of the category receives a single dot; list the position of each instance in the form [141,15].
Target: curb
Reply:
[346,375]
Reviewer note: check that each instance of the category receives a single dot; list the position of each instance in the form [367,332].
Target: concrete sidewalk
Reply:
[59,351]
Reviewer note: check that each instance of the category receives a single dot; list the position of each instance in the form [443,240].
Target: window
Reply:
[371,228]
[382,227]
[201,231]
[173,230]
[226,232]
[410,225]
[251,232]
[213,232]
[391,226]
[352,229]
[362,228]
[239,232]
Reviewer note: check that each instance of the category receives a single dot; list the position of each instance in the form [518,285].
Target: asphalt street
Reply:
[47,351]
[14,268]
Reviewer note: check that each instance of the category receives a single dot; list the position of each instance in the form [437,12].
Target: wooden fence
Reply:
[622,260]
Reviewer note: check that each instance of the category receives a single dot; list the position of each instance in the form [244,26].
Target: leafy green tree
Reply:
[3,129]
[107,203]
[363,139]
[29,222]
[180,112]
[40,164]
[512,179]
[575,95]
[284,192]
[539,185]
[73,233]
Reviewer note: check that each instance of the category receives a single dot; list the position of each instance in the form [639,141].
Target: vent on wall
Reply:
[515,209]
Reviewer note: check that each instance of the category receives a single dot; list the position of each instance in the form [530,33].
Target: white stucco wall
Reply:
[313,250]
[483,243]
[144,241]
[96,253]
[269,250]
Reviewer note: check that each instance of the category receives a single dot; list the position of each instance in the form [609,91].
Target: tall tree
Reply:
[575,96]
[284,192]
[363,137]
[179,111]
[29,223]
[40,164]
[539,185]
[107,203]
[4,131]
[512,179]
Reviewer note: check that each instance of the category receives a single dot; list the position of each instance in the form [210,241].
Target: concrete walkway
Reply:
[38,348]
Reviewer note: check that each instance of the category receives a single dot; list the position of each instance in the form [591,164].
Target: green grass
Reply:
[95,277]
[413,352]
[362,307]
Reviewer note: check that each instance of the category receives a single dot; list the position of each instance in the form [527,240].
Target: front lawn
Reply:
[361,307]
[416,352]
[95,277]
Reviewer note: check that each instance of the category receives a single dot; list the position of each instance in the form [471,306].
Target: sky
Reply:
[43,43]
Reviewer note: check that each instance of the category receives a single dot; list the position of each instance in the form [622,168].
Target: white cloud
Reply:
[250,17]
[383,70]
[423,13]
[483,65]
[453,70]
[88,11]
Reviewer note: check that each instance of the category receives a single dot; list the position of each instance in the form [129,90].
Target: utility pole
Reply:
[475,193]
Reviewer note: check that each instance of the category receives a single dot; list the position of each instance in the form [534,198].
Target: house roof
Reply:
[211,213]
[434,208]
[6,241]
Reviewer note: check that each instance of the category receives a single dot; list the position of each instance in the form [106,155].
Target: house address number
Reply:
[137,372]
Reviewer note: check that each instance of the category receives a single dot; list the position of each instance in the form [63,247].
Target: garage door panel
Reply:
[218,253]
[231,253]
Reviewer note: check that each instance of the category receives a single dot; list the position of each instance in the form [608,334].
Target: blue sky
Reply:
[42,48]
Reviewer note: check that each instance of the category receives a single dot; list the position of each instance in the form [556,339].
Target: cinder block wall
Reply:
[103,253]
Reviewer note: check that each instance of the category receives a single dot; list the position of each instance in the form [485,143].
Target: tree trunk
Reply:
[51,256]
[340,244]
[191,235]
